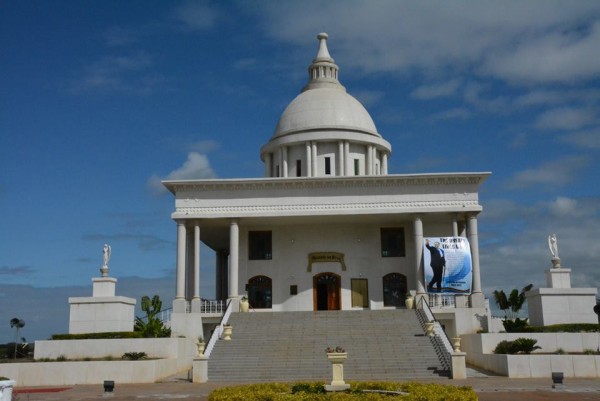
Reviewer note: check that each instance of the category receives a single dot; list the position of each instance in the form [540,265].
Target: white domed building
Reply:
[327,228]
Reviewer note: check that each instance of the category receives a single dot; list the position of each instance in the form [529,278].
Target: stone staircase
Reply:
[290,346]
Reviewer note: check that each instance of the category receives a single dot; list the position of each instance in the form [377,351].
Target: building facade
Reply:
[327,228]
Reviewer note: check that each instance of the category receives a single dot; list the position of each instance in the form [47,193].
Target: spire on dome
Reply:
[323,54]
[323,72]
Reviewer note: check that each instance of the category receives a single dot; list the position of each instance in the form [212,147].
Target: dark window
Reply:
[298,168]
[394,289]
[356,167]
[392,242]
[260,292]
[328,165]
[259,245]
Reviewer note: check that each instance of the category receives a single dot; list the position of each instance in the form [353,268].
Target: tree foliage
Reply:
[512,304]
[151,325]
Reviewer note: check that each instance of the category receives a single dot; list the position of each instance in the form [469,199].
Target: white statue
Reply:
[105,255]
[553,245]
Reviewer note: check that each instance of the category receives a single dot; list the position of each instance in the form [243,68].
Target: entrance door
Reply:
[326,290]
[360,292]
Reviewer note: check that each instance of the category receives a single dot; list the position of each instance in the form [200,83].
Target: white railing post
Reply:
[218,332]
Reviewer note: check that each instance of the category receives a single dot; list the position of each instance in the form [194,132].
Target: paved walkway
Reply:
[491,388]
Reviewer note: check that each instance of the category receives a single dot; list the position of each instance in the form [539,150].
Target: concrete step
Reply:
[290,346]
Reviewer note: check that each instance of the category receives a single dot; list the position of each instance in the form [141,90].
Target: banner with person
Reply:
[447,265]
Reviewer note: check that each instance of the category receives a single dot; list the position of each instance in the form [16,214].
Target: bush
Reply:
[134,356]
[521,345]
[97,336]
[313,392]
[515,326]
[560,328]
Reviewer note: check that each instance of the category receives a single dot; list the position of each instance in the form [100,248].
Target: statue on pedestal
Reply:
[553,245]
[105,258]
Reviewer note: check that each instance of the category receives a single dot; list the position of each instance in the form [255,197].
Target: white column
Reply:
[196,260]
[315,172]
[268,167]
[369,161]
[419,269]
[477,299]
[181,244]
[308,160]
[234,241]
[384,163]
[284,158]
[340,166]
[348,169]
[454,225]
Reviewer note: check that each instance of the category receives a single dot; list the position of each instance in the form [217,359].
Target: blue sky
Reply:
[100,100]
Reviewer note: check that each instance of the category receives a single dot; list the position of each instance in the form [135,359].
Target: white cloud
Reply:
[197,16]
[556,173]
[367,97]
[129,73]
[197,166]
[584,139]
[517,41]
[565,118]
[461,113]
[436,90]
[555,56]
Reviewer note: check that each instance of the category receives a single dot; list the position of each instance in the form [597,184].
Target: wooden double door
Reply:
[327,291]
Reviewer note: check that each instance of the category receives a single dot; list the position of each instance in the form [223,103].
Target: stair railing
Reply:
[440,341]
[218,331]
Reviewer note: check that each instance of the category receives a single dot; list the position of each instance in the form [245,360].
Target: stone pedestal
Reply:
[200,370]
[558,277]
[103,311]
[459,365]
[559,303]
[337,360]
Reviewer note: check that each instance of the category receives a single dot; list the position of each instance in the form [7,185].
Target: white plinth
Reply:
[558,278]
[103,311]
[103,286]
[561,305]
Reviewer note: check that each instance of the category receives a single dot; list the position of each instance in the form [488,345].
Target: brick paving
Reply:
[491,388]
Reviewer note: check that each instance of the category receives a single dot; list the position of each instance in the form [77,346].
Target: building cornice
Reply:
[465,205]
[396,180]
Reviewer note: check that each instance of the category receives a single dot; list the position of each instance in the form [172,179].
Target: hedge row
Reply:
[97,336]
[359,391]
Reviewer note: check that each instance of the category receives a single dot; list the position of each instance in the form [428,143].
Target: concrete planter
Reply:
[244,305]
[429,326]
[227,332]
[6,389]
[409,302]
[337,360]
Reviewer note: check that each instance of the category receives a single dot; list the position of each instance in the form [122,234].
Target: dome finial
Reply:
[323,53]
[323,72]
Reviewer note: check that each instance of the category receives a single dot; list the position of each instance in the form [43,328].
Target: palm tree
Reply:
[512,304]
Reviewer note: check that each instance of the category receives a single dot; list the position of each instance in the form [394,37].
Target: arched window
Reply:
[394,289]
[260,292]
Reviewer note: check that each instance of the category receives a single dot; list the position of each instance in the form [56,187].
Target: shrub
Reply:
[97,336]
[134,356]
[521,345]
[4,378]
[560,351]
[312,392]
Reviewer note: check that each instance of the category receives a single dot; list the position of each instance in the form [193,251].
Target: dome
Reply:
[325,108]
[324,130]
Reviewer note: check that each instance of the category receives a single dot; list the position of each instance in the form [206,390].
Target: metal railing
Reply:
[213,306]
[218,331]
[440,340]
[442,301]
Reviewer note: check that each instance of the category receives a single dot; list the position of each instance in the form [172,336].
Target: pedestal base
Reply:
[336,387]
